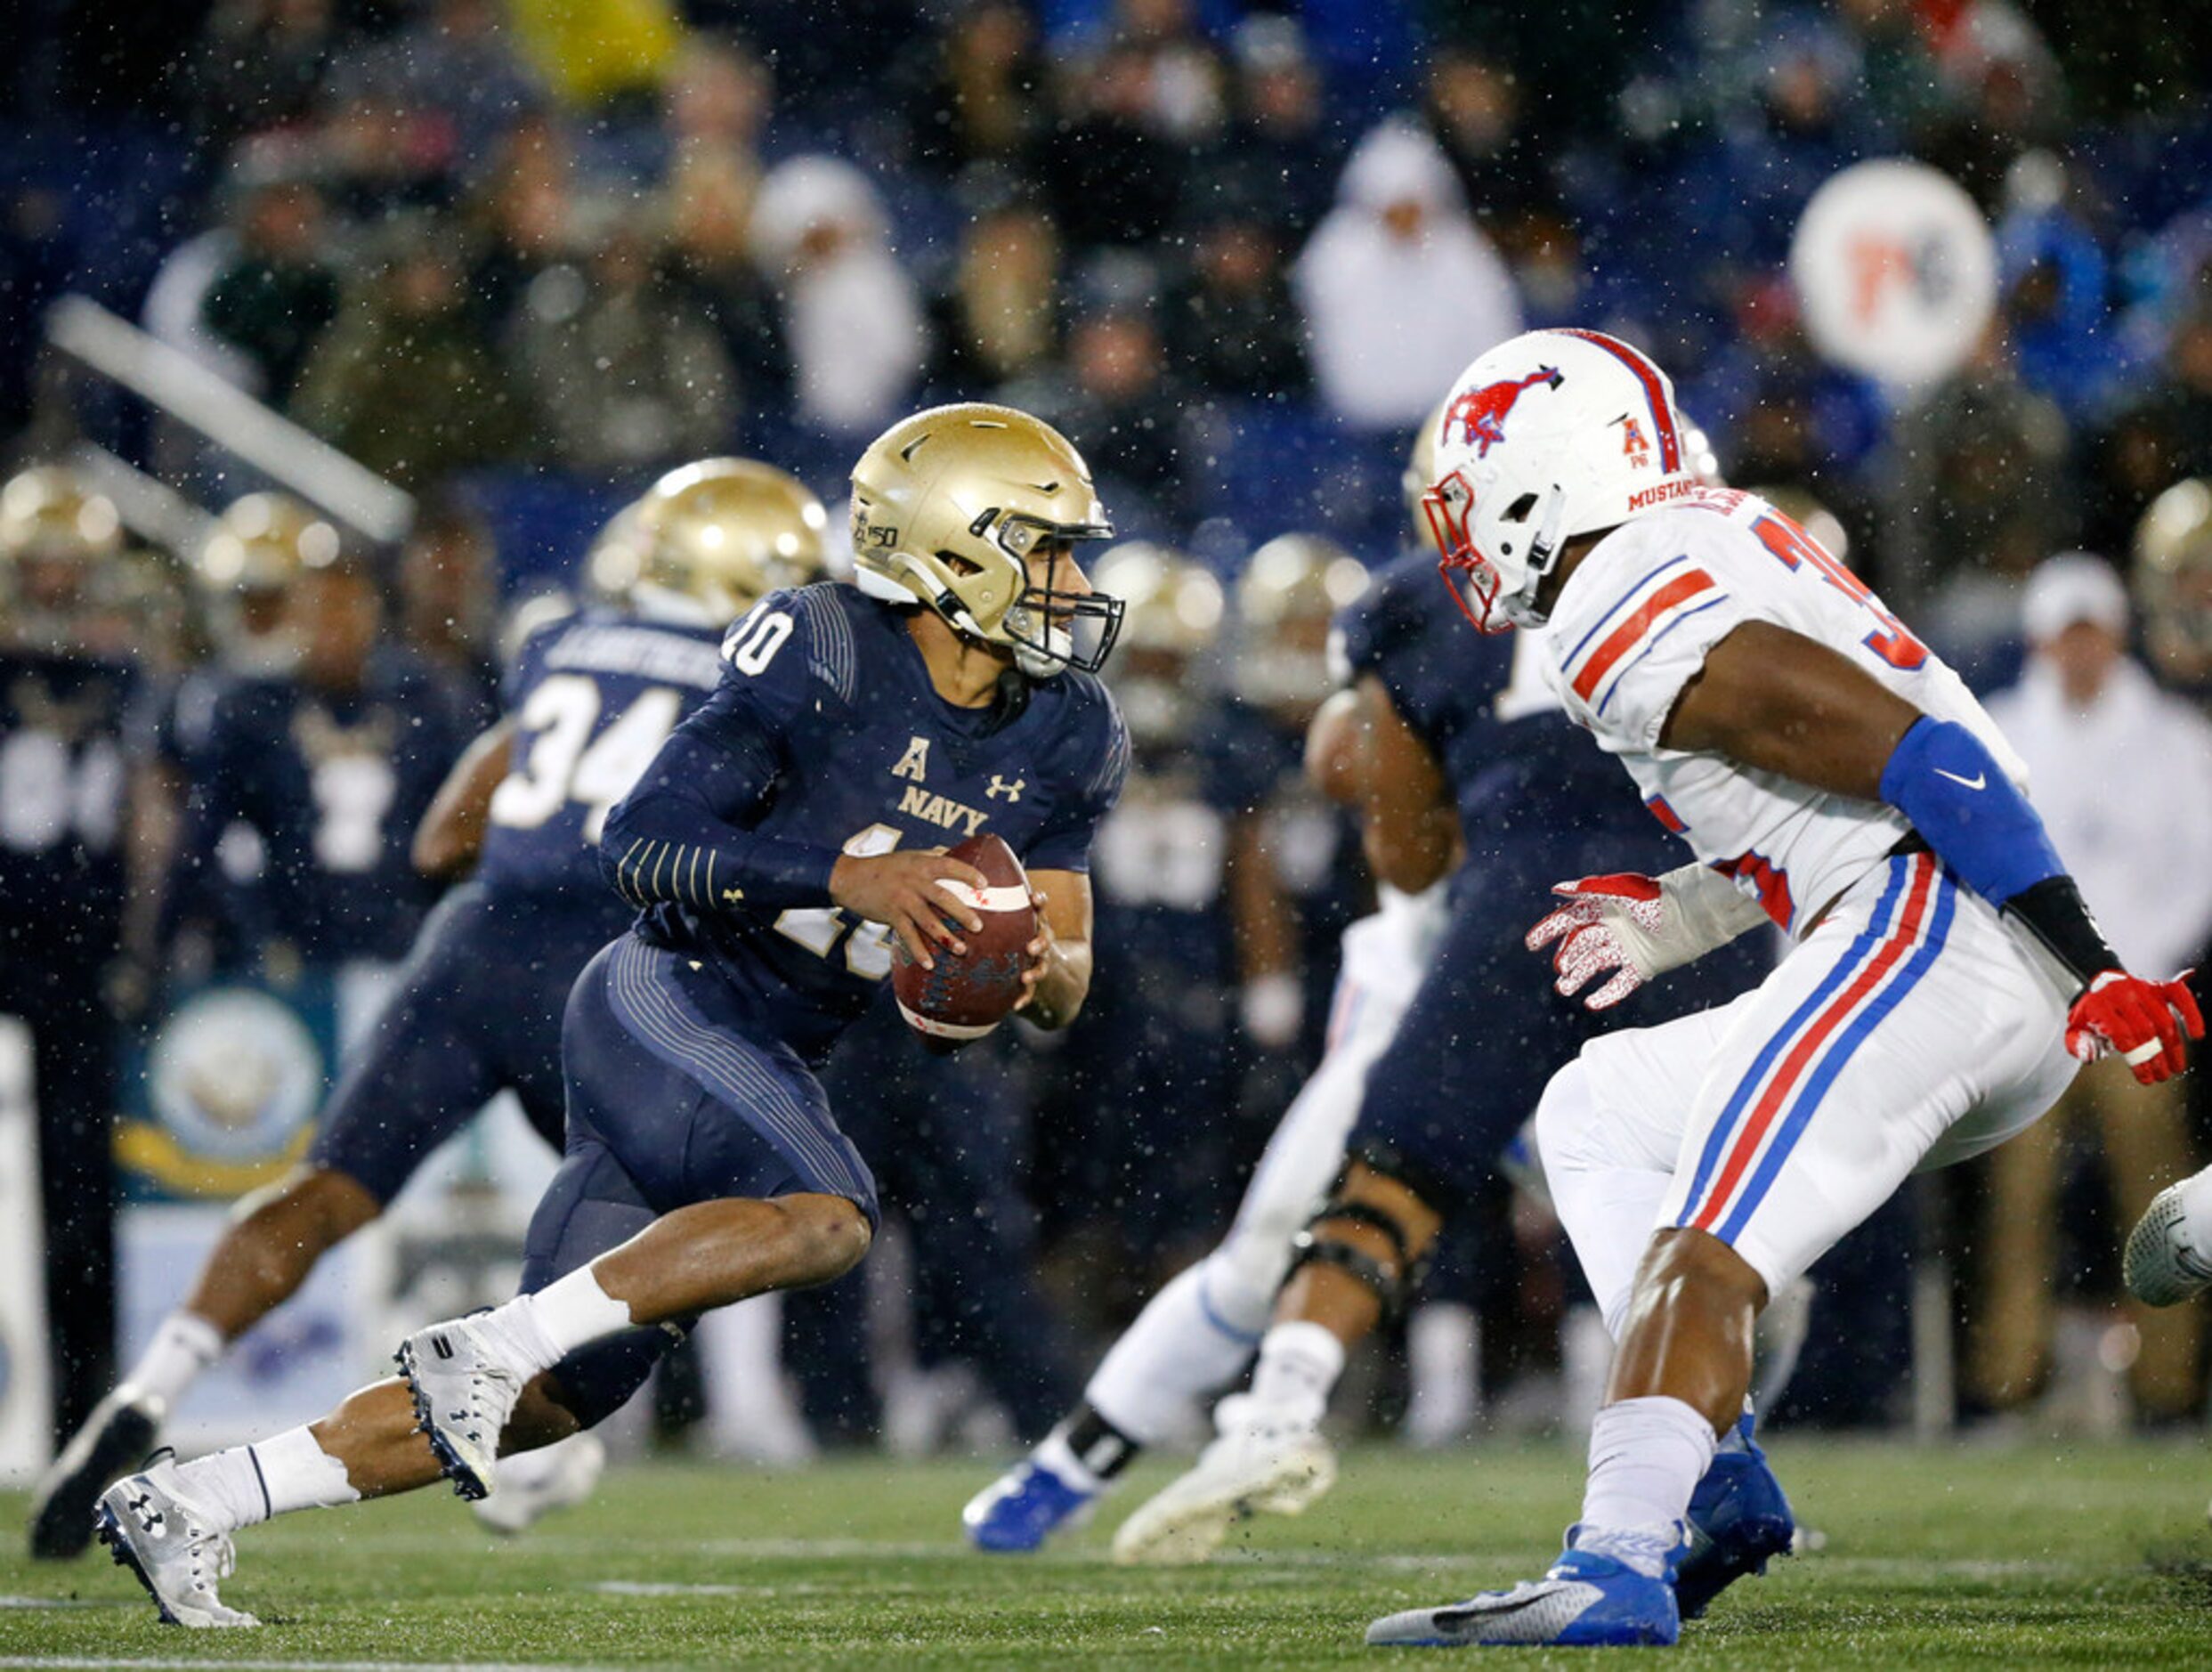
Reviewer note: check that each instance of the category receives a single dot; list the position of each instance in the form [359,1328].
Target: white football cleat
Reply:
[2169,1257]
[464,1395]
[171,1544]
[1267,1460]
[533,1484]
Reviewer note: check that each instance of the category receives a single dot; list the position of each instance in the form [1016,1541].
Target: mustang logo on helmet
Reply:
[1482,411]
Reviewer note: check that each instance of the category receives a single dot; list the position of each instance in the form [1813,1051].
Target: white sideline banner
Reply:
[26,1393]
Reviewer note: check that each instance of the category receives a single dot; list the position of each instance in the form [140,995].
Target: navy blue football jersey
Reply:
[868,758]
[64,774]
[1159,868]
[593,697]
[332,784]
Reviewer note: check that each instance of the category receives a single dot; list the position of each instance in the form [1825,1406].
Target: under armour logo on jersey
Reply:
[998,787]
[731,896]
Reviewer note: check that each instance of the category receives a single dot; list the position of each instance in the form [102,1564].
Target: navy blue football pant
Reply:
[478,1009]
[676,1095]
[951,1137]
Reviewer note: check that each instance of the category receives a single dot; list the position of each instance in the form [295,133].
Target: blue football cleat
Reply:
[1588,1600]
[1023,1507]
[1739,1519]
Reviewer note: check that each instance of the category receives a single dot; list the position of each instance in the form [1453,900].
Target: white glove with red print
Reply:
[1630,928]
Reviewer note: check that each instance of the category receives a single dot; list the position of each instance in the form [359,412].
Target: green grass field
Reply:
[2053,1555]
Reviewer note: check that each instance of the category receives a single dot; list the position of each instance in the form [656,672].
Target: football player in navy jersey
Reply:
[1296,869]
[330,766]
[588,701]
[1151,1072]
[66,711]
[785,832]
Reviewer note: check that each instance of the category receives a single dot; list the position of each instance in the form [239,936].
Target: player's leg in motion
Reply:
[423,1069]
[1198,1334]
[676,1197]
[1870,1051]
[1425,1121]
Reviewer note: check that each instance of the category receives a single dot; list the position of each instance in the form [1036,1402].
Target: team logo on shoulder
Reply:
[1481,413]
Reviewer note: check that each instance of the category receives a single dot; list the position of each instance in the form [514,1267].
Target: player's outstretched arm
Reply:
[1409,827]
[1057,979]
[1774,700]
[452,832]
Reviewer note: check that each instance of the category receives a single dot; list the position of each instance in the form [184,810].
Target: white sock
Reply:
[183,1347]
[1193,1336]
[1299,1364]
[1055,1455]
[247,1484]
[537,1331]
[1646,1457]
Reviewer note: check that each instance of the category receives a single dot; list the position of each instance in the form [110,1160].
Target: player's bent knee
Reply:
[1377,1230]
[1569,1133]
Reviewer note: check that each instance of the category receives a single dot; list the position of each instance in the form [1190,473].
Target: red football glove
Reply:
[1608,926]
[2145,1022]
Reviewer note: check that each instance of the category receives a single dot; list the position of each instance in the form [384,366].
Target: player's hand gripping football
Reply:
[910,892]
[1036,956]
[2148,1024]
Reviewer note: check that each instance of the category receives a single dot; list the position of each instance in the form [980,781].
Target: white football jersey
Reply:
[1632,628]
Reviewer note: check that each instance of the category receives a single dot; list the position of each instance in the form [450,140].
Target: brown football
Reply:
[963,998]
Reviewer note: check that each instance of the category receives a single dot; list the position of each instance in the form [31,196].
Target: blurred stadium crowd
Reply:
[520,259]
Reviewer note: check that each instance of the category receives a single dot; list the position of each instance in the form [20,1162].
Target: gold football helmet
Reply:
[947,507]
[2172,581]
[262,542]
[1288,596]
[1173,612]
[716,536]
[49,511]
[57,534]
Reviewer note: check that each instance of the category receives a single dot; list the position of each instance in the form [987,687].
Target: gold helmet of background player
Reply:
[717,535]
[57,534]
[1286,599]
[2172,581]
[1173,609]
[946,506]
[49,511]
[261,542]
[1420,472]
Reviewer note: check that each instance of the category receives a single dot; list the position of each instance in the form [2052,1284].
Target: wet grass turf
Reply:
[2049,1555]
